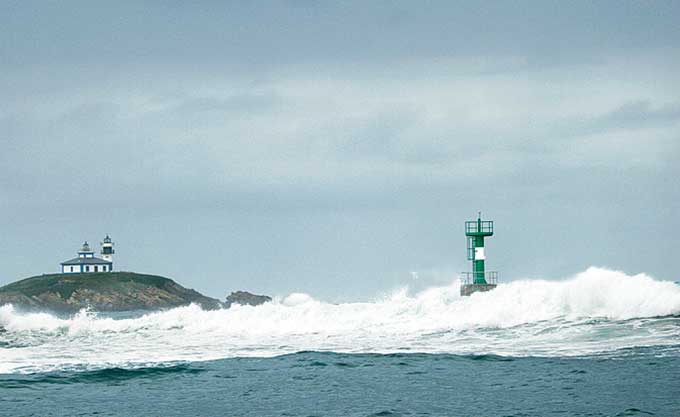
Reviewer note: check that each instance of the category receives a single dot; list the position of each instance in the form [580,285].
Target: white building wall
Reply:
[70,269]
[75,269]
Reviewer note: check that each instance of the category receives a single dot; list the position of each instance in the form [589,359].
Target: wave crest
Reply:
[529,317]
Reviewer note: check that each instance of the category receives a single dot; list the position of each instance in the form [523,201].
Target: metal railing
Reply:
[491,277]
[474,226]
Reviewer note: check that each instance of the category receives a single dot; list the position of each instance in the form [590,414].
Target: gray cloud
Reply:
[307,145]
[639,114]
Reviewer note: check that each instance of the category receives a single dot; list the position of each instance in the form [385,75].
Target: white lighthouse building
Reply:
[87,262]
[107,249]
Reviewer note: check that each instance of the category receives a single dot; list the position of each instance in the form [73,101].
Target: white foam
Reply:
[530,317]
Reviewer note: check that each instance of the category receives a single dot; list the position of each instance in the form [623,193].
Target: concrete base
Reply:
[467,289]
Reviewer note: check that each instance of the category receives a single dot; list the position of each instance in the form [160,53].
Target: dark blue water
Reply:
[640,382]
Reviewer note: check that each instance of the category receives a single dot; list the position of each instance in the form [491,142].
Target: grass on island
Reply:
[66,284]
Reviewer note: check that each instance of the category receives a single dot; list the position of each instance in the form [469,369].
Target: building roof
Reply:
[86,261]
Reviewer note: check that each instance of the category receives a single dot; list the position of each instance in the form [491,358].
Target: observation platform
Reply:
[471,282]
[479,228]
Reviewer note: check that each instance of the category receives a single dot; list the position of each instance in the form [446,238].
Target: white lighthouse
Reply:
[107,249]
[87,262]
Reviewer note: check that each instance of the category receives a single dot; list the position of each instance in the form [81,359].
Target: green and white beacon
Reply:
[478,279]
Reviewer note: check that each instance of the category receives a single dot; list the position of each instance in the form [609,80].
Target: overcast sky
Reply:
[336,148]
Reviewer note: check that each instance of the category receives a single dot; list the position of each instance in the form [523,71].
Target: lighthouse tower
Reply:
[107,249]
[478,279]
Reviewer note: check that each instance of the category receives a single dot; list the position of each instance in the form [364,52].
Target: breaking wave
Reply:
[595,312]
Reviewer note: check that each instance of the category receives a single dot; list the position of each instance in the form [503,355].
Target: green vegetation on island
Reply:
[103,291]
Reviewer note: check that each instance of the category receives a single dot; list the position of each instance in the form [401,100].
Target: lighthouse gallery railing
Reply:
[491,277]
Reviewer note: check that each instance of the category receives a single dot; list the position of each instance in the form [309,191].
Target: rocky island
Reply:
[245,298]
[87,281]
[107,291]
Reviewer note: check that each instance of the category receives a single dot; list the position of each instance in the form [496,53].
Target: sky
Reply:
[337,148]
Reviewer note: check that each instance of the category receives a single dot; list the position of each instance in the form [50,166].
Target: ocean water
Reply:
[599,344]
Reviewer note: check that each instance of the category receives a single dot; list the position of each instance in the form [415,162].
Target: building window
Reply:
[96,268]
[87,268]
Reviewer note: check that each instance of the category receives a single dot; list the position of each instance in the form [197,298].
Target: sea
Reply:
[600,343]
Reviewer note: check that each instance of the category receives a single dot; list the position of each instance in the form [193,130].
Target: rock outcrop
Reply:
[105,291]
[245,298]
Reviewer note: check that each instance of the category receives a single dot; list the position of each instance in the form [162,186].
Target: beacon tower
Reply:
[478,279]
[107,249]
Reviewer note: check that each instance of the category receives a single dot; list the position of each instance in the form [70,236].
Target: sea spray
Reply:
[596,311]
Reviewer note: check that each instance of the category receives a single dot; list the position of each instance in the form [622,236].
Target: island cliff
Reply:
[106,291]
